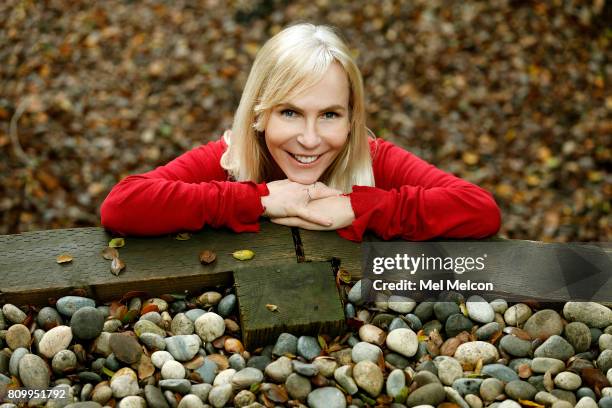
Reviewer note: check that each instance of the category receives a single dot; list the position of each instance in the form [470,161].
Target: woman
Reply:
[299,154]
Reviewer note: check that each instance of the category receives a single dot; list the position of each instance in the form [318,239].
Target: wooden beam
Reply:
[31,275]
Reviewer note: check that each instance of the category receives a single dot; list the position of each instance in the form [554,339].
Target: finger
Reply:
[308,215]
[296,222]
[322,191]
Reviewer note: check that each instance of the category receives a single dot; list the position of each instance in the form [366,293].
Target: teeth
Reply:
[305,159]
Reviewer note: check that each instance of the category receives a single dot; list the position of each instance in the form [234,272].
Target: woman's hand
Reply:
[338,208]
[288,199]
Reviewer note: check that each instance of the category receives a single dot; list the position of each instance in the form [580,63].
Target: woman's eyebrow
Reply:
[329,108]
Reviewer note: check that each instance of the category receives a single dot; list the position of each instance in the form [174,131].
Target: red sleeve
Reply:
[414,200]
[184,195]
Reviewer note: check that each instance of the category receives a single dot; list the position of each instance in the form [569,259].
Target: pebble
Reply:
[473,401]
[193,314]
[368,377]
[517,314]
[201,390]
[518,389]
[485,332]
[590,313]
[360,291]
[414,322]
[226,305]
[500,371]
[401,304]
[16,356]
[153,317]
[56,339]
[154,342]
[449,369]
[604,361]
[18,336]
[67,305]
[428,394]
[48,318]
[191,401]
[285,344]
[365,351]
[456,323]
[210,298]
[543,324]
[246,377]
[154,397]
[298,387]
[372,334]
[220,395]
[543,364]
[308,370]
[398,323]
[344,376]
[181,325]
[112,325]
[579,336]
[124,383]
[605,402]
[471,352]
[479,310]
[64,361]
[586,402]
[605,341]
[13,314]
[568,381]
[326,365]
[465,386]
[453,396]
[349,310]
[147,326]
[224,377]
[555,347]
[443,310]
[491,388]
[172,370]
[183,347]
[159,358]
[508,404]
[209,326]
[308,347]
[87,323]
[244,398]
[182,386]
[515,346]
[259,362]
[132,401]
[125,347]
[280,369]
[396,381]
[102,392]
[34,372]
[326,397]
[403,341]
[237,362]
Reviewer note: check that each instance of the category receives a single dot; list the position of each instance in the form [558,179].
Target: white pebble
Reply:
[173,370]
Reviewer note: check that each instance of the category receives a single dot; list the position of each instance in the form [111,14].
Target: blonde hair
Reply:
[289,63]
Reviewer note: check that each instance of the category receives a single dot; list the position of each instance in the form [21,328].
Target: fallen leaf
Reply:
[182,236]
[529,403]
[109,253]
[272,308]
[145,367]
[117,265]
[207,257]
[243,254]
[344,275]
[63,258]
[116,243]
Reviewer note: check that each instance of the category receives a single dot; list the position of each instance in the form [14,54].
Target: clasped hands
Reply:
[313,207]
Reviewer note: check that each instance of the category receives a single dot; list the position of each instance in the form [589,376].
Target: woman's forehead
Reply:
[332,90]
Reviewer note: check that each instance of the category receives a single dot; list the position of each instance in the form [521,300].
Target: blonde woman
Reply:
[299,154]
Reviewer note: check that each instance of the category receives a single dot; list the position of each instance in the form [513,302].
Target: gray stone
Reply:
[518,389]
[453,396]
[307,370]
[425,377]
[586,402]
[555,347]
[67,305]
[517,314]
[543,364]
[449,369]
[413,322]
[172,370]
[13,314]
[298,387]
[326,397]
[604,361]
[160,357]
[220,395]
[259,362]
[153,317]
[280,369]
[48,318]
[485,332]
[579,336]
[124,383]
[191,401]
[465,386]
[87,323]
[368,377]
[132,401]
[193,314]
[366,351]
[590,313]
[479,310]
[543,324]
[429,394]
[443,310]
[396,381]
[398,323]
[209,326]
[34,372]
[585,392]
[237,362]
[226,305]
[285,344]
[326,365]
[63,362]
[431,326]
[155,397]
[201,390]
[604,341]
[125,347]
[500,371]
[471,352]
[491,388]
[147,326]
[344,376]
[308,347]
[456,324]
[397,360]
[154,342]
[360,291]
[401,304]
[181,325]
[207,371]
[247,377]
[568,381]
[424,310]
[515,346]
[244,398]
[183,347]
[182,386]
[111,326]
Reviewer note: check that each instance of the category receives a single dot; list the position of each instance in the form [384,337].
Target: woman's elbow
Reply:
[490,216]
[111,216]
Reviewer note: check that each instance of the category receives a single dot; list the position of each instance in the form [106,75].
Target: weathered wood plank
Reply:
[305,293]
[523,268]
[30,274]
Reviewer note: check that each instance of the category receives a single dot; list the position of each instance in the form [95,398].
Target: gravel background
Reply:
[512,95]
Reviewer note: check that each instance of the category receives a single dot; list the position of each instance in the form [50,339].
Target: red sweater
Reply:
[412,199]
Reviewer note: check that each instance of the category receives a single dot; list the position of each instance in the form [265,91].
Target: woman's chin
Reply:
[302,179]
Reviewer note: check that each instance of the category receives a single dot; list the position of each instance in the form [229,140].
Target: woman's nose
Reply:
[309,137]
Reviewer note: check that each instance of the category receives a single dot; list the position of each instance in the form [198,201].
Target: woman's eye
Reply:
[330,115]
[289,113]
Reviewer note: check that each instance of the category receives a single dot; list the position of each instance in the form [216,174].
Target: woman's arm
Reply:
[414,200]
[184,195]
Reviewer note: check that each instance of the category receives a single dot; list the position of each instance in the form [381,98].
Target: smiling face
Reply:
[306,133]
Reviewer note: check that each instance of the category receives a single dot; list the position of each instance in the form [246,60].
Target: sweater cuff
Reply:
[368,205]
[248,205]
